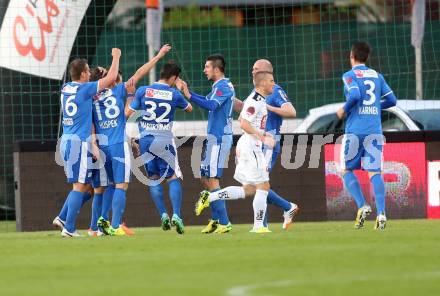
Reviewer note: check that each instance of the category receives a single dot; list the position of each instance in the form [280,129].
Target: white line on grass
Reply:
[248,290]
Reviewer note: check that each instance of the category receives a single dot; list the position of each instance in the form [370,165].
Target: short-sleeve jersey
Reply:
[365,117]
[220,120]
[108,114]
[76,102]
[255,111]
[277,99]
[158,103]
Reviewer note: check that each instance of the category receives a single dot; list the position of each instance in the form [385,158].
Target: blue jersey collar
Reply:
[224,78]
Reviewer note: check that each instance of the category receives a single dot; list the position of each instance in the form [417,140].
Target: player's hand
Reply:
[268,140]
[183,87]
[116,52]
[269,107]
[95,151]
[340,113]
[130,87]
[135,148]
[164,50]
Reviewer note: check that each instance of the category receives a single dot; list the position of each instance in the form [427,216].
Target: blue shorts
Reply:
[117,166]
[215,156]
[77,160]
[362,152]
[159,156]
[274,155]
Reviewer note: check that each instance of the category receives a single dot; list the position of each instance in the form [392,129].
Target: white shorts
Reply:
[252,167]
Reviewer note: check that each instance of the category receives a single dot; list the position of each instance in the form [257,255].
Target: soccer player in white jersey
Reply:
[367,93]
[252,168]
[76,100]
[278,107]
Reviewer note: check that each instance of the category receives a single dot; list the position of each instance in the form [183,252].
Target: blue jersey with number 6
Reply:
[76,102]
[364,117]
[108,114]
[158,103]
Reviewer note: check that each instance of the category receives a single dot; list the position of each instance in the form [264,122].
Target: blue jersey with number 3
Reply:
[76,102]
[364,117]
[158,103]
[108,114]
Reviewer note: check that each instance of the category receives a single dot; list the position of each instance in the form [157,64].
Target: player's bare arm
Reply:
[340,113]
[238,105]
[286,110]
[146,68]
[266,138]
[112,72]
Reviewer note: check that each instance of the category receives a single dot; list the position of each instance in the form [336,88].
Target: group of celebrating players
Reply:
[97,155]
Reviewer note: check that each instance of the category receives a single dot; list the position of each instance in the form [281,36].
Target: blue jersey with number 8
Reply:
[158,103]
[108,115]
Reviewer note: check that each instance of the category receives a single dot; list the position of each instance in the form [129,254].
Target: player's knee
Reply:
[372,174]
[249,190]
[123,186]
[81,187]
[263,186]
[99,190]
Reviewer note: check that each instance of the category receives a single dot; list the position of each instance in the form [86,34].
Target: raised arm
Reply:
[112,74]
[142,71]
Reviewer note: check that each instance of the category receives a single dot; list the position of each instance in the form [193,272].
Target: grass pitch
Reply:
[330,258]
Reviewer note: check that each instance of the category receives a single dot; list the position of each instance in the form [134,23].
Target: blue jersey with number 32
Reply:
[108,114]
[158,103]
[364,117]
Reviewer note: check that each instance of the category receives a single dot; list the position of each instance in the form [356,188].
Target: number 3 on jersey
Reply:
[370,92]
[151,113]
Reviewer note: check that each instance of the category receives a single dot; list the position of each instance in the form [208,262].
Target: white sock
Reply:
[260,206]
[231,192]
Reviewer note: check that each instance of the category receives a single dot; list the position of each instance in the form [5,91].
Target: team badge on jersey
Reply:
[250,110]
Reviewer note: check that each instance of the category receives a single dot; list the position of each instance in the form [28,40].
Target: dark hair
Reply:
[360,51]
[97,73]
[76,67]
[169,70]
[218,61]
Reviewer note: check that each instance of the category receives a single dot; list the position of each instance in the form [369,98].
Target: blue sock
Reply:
[119,199]
[75,199]
[352,184]
[379,192]
[218,209]
[274,199]
[175,193]
[96,210]
[63,213]
[107,199]
[86,197]
[156,193]
[214,206]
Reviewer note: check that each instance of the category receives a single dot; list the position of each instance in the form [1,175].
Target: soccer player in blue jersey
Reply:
[220,104]
[76,100]
[367,93]
[109,121]
[159,102]
[278,107]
